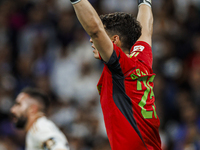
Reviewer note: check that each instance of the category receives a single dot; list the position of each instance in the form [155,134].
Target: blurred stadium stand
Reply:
[43,45]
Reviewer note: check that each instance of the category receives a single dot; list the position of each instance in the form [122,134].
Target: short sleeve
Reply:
[143,52]
[49,136]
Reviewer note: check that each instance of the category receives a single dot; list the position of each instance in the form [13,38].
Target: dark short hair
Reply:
[38,95]
[123,24]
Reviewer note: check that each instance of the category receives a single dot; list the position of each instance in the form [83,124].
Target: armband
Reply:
[146,2]
[74,1]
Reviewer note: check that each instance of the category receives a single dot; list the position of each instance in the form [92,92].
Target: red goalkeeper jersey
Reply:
[127,100]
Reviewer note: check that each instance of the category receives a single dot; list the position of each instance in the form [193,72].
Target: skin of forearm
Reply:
[92,24]
[88,18]
[145,17]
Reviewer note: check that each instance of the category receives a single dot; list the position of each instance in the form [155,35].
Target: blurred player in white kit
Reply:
[29,114]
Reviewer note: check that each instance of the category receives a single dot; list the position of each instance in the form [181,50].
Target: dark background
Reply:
[43,45]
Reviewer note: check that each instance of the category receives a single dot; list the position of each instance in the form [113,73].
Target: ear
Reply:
[116,40]
[33,109]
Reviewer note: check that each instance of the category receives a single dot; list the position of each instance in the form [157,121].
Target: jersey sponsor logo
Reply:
[138,48]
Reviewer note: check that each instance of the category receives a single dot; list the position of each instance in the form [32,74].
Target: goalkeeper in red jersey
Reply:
[126,83]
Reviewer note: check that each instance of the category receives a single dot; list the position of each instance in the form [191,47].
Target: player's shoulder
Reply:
[43,121]
[140,46]
[44,131]
[42,124]
[143,52]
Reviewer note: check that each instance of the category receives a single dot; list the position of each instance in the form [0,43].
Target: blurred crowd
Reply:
[43,45]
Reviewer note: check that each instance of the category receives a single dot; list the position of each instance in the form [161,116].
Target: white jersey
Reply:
[44,135]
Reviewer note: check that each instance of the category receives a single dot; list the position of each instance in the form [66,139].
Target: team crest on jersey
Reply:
[138,48]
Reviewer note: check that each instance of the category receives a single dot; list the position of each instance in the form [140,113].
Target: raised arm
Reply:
[92,24]
[145,17]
